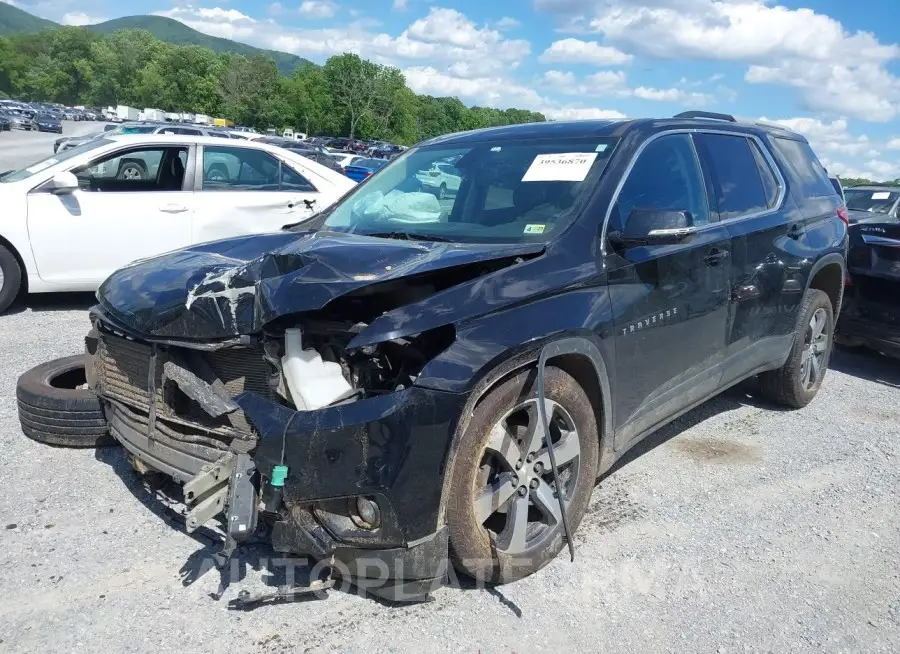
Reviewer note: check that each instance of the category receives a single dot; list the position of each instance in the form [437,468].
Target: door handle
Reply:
[173,208]
[715,256]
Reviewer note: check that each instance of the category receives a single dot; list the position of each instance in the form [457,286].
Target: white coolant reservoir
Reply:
[312,382]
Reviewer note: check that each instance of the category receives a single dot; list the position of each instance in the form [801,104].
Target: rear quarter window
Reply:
[805,167]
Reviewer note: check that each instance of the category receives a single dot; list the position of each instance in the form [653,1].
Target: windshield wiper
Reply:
[411,237]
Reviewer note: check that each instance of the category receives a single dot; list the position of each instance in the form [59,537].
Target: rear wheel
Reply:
[503,514]
[797,382]
[10,278]
[131,170]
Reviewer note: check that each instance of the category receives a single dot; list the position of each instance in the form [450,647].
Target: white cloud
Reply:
[615,83]
[800,48]
[401,5]
[224,23]
[276,8]
[894,144]
[508,23]
[490,91]
[79,18]
[583,113]
[318,8]
[584,52]
[830,139]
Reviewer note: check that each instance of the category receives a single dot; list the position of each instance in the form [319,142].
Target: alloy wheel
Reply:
[515,497]
[812,360]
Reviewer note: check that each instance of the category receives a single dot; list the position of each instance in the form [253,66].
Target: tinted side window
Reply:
[770,182]
[730,165]
[805,166]
[665,176]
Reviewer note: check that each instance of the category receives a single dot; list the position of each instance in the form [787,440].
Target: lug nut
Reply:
[530,458]
[519,464]
[523,491]
[539,467]
[534,483]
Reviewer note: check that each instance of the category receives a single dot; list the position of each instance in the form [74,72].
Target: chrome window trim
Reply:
[779,178]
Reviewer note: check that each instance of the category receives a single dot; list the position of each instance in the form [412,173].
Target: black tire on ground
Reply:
[472,546]
[787,385]
[11,282]
[54,410]
[131,170]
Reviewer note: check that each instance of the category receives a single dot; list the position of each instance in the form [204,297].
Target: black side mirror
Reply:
[654,227]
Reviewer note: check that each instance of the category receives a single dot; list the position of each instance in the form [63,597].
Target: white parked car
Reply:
[344,159]
[442,179]
[72,219]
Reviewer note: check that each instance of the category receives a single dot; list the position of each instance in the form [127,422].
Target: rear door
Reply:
[670,301]
[749,196]
[132,203]
[243,190]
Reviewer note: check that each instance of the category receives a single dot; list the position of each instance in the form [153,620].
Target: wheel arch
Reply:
[575,355]
[828,275]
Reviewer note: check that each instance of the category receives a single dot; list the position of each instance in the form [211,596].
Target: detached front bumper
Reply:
[388,451]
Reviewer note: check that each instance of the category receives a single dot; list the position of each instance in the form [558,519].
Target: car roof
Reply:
[606,128]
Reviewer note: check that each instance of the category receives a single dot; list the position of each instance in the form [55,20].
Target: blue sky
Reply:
[827,68]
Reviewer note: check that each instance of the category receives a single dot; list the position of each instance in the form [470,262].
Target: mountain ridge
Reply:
[16,21]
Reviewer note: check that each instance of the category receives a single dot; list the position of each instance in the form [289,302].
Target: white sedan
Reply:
[72,219]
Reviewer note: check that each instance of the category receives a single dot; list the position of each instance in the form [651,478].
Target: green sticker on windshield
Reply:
[534,229]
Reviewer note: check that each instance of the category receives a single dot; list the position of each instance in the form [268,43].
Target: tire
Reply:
[794,384]
[54,411]
[10,279]
[218,173]
[131,170]
[479,547]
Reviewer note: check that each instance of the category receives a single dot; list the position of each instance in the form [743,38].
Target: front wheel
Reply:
[797,382]
[503,513]
[131,171]
[10,278]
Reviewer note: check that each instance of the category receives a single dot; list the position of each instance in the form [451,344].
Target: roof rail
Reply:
[705,114]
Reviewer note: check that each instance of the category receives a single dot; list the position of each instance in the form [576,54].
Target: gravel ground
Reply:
[738,528]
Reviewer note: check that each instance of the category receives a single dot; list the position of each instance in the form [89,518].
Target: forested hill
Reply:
[15,21]
[172,31]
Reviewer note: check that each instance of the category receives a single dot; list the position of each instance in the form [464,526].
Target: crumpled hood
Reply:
[235,286]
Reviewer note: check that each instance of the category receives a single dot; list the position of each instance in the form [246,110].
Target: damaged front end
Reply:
[302,414]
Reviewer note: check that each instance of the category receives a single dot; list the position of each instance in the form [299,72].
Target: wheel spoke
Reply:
[504,446]
[514,536]
[804,356]
[814,367]
[536,435]
[494,497]
[565,450]
[543,499]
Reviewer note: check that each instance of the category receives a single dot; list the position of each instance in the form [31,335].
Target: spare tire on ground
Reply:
[57,408]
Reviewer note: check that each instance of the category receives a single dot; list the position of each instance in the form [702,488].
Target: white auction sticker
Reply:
[881,195]
[565,167]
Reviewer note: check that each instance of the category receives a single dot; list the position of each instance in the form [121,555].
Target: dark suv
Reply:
[403,380]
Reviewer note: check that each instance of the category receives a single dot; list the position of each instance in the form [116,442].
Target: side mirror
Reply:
[63,183]
[654,227]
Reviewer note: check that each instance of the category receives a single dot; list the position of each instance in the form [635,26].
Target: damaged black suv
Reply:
[439,367]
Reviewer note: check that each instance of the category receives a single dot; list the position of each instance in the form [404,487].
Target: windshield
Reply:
[47,117]
[490,191]
[59,157]
[871,201]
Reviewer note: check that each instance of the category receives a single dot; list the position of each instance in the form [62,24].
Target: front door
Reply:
[670,302]
[245,190]
[130,204]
